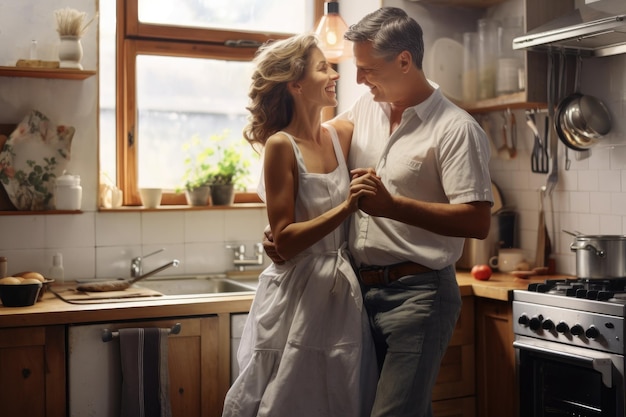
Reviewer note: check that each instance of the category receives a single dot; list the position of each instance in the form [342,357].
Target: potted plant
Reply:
[216,170]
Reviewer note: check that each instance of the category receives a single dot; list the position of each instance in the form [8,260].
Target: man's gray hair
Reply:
[391,31]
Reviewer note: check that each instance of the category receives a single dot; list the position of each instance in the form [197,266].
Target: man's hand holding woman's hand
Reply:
[380,202]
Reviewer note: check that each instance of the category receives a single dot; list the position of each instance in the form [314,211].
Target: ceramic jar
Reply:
[68,193]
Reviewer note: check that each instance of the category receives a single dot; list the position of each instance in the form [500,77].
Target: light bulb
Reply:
[330,32]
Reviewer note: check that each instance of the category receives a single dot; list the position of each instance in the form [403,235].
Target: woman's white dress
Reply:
[306,349]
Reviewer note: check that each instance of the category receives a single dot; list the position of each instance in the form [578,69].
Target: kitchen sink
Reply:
[199,286]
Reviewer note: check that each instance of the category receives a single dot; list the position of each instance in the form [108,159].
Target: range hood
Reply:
[585,30]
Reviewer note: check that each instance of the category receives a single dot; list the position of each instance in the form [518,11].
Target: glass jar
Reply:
[487,57]
[470,66]
[510,68]
[68,193]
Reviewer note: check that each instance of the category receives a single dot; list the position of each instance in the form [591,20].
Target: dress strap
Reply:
[296,151]
[337,146]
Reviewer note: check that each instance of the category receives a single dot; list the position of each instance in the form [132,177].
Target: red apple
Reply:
[481,272]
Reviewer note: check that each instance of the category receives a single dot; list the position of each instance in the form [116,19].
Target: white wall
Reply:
[96,244]
[590,197]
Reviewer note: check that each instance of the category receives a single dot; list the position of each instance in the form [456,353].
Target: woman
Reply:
[306,348]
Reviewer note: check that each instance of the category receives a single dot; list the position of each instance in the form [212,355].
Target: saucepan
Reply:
[581,119]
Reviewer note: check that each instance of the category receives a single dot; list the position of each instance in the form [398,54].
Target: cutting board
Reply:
[72,296]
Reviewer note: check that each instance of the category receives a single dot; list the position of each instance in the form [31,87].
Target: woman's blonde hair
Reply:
[271,105]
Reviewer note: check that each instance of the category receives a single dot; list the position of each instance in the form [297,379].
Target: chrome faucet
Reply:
[173,263]
[136,264]
[241,261]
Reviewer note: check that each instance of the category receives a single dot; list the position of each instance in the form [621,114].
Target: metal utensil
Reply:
[544,246]
[553,176]
[539,155]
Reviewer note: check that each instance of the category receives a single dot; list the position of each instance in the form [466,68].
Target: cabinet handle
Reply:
[26,373]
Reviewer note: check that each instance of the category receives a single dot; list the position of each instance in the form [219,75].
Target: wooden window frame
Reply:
[137,38]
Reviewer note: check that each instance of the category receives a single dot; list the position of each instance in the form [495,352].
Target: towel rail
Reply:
[108,335]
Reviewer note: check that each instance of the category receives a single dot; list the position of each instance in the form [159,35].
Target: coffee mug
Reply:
[507,260]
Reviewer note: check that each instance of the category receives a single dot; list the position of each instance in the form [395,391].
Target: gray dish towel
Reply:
[145,374]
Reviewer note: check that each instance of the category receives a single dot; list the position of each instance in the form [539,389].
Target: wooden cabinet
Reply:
[454,392]
[197,374]
[495,359]
[198,359]
[198,365]
[32,372]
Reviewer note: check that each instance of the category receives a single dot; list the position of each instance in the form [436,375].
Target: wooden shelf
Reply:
[37,212]
[508,101]
[54,73]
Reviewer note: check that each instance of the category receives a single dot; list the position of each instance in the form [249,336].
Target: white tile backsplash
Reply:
[590,197]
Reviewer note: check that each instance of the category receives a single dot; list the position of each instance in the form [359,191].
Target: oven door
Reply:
[561,380]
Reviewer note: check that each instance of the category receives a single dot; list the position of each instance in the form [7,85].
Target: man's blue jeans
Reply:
[412,321]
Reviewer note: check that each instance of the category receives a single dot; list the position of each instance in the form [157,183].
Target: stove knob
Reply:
[577,330]
[592,332]
[562,327]
[523,320]
[547,325]
[535,323]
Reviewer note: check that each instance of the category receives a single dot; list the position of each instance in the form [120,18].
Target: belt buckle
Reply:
[378,269]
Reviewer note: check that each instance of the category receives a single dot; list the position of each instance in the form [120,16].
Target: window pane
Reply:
[182,98]
[248,15]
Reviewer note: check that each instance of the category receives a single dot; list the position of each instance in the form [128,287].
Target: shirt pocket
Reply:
[402,175]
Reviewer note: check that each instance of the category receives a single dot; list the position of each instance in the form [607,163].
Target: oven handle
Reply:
[602,365]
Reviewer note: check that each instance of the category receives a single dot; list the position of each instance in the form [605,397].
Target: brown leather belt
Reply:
[383,275]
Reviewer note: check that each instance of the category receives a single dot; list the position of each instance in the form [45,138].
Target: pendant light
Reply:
[330,32]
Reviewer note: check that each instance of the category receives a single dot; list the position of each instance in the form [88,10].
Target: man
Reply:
[434,191]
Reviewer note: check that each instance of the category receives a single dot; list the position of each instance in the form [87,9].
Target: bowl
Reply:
[19,295]
[150,197]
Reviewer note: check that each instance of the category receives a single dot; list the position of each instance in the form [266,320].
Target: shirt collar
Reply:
[423,109]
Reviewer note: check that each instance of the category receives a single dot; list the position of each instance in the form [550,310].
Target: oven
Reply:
[569,347]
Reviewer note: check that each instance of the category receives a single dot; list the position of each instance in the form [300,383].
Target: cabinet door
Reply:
[194,362]
[32,372]
[495,359]
[457,373]
[458,407]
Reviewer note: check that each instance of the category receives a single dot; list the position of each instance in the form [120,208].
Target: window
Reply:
[172,70]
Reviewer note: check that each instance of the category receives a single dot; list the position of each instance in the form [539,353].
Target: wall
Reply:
[96,244]
[590,197]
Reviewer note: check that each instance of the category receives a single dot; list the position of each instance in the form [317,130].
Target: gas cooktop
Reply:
[606,296]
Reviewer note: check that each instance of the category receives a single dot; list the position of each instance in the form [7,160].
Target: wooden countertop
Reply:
[51,310]
[500,286]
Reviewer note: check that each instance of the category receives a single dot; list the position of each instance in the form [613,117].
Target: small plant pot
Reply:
[222,194]
[200,196]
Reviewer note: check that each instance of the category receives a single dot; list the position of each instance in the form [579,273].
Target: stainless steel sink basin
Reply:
[198,286]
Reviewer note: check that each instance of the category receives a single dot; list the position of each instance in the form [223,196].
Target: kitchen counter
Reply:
[51,310]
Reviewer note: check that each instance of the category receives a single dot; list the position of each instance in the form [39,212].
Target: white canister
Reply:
[68,193]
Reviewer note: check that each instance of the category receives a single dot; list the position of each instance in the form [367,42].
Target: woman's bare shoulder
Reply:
[343,127]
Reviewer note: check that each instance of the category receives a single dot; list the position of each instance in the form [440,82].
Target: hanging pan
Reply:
[580,119]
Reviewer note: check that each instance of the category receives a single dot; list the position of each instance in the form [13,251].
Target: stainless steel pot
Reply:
[600,256]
